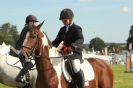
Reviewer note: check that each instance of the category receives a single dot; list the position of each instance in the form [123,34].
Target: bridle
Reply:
[27,48]
[35,47]
[32,54]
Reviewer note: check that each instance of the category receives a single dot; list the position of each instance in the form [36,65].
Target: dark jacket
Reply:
[73,37]
[22,37]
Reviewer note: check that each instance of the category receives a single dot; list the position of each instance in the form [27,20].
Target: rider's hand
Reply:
[66,49]
[60,47]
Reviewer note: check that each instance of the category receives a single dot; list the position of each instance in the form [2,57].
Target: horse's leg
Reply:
[34,83]
[37,82]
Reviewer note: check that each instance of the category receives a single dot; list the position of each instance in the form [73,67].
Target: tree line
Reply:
[97,44]
[9,34]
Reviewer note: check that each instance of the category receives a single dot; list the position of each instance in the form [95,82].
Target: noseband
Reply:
[27,48]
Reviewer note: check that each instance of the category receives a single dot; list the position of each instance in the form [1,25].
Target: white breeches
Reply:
[76,65]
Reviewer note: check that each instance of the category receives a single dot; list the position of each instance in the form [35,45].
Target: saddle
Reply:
[69,74]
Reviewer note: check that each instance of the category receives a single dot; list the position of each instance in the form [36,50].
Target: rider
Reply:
[30,23]
[72,37]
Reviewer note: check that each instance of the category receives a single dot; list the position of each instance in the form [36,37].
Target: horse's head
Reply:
[4,49]
[34,42]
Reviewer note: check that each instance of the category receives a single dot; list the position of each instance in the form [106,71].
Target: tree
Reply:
[97,44]
[8,34]
[86,47]
[130,38]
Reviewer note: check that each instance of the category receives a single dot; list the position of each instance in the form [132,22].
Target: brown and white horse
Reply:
[36,44]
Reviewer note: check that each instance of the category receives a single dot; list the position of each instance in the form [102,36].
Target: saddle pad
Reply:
[14,61]
[86,68]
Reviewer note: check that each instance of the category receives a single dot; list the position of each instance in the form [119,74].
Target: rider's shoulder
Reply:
[76,26]
[63,28]
[25,27]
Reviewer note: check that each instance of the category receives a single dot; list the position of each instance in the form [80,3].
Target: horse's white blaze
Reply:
[25,40]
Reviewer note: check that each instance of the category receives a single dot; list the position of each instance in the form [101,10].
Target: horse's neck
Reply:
[43,50]
[45,56]
[3,59]
[6,68]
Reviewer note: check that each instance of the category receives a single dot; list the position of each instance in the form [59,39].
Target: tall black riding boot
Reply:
[28,65]
[80,79]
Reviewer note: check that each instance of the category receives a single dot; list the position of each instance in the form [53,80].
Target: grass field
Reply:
[3,86]
[121,78]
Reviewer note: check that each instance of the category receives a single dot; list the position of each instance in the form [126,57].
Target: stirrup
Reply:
[26,84]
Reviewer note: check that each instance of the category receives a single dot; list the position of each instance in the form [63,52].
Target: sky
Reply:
[108,19]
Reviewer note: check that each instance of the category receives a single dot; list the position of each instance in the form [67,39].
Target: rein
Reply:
[32,52]
[32,55]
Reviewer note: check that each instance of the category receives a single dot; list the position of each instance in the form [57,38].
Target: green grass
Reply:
[121,78]
[4,86]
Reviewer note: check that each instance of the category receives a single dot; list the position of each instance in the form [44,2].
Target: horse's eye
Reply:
[33,37]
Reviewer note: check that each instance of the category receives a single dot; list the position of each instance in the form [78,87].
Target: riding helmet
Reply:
[31,18]
[66,14]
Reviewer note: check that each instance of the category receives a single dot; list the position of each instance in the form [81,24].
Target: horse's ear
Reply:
[39,26]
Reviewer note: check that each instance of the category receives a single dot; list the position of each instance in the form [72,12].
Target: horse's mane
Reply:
[49,42]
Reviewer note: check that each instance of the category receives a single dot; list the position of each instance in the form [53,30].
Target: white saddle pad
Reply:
[14,61]
[86,68]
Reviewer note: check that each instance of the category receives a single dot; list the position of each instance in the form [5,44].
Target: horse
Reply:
[9,72]
[36,44]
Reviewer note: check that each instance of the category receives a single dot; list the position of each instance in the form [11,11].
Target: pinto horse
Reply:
[37,45]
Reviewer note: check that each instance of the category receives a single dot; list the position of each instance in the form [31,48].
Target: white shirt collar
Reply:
[70,24]
[67,27]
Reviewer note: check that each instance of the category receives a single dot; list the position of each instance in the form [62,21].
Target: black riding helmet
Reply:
[66,14]
[31,18]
